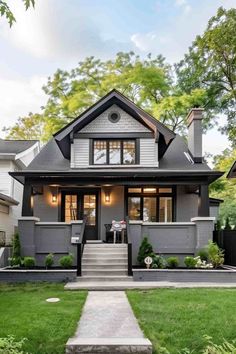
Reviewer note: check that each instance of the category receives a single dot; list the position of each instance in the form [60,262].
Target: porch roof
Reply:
[118,176]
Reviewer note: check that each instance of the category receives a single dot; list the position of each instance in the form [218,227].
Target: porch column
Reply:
[203,201]
[27,207]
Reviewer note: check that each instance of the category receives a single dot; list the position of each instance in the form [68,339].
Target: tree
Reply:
[29,128]
[6,12]
[148,82]
[225,188]
[210,64]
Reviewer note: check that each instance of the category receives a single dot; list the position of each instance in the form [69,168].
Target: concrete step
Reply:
[104,261]
[113,278]
[105,250]
[109,345]
[106,245]
[101,272]
[105,254]
[102,266]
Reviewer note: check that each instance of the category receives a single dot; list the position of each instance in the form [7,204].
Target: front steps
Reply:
[104,262]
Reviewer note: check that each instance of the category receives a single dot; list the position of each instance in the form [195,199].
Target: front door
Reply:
[79,203]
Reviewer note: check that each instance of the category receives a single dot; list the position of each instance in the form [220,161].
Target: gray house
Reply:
[116,162]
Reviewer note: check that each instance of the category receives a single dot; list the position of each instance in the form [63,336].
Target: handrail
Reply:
[80,248]
[129,242]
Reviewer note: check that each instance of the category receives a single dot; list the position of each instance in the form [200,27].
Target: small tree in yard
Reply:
[16,251]
[145,250]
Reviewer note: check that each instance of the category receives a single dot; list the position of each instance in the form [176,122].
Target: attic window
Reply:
[189,158]
[114,117]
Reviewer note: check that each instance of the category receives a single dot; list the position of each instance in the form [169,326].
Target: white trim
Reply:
[203,218]
[148,223]
[29,218]
[25,152]
[59,222]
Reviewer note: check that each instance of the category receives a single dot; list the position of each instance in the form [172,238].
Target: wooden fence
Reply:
[226,239]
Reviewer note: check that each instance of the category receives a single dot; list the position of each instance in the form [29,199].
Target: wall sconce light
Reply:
[107,196]
[54,198]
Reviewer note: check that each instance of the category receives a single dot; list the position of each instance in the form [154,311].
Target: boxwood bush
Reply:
[29,262]
[66,261]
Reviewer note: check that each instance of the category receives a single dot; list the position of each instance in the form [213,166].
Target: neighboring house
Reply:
[14,156]
[113,161]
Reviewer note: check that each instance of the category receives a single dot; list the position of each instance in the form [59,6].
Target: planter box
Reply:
[185,275]
[34,275]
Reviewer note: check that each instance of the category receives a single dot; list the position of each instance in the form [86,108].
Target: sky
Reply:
[59,33]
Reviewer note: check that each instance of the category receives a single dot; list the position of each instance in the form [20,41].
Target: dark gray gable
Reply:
[161,132]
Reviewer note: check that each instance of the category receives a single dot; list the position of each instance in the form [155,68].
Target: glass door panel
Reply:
[71,210]
[134,208]
[149,209]
[90,209]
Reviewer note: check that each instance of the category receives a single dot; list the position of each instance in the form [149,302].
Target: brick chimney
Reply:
[195,133]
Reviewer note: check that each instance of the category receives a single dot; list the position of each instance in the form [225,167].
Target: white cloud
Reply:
[173,39]
[19,97]
[147,41]
[46,33]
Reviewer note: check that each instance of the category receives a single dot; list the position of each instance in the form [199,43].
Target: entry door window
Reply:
[71,210]
[90,209]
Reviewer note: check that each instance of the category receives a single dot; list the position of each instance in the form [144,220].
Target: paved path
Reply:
[108,325]
[118,285]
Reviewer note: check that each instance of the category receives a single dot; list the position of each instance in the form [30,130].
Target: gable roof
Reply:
[15,146]
[161,132]
[232,171]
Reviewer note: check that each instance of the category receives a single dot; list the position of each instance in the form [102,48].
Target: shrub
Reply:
[203,254]
[215,254]
[66,261]
[145,250]
[49,260]
[172,262]
[190,262]
[9,345]
[29,262]
[15,261]
[158,262]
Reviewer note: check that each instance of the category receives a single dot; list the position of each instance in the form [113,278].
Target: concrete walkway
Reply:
[125,285]
[108,325]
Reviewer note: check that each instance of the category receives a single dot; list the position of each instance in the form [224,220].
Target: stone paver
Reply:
[108,325]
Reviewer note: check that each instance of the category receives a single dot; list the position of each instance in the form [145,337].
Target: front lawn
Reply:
[24,313]
[179,318]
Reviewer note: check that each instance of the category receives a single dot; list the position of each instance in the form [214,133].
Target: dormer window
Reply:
[114,152]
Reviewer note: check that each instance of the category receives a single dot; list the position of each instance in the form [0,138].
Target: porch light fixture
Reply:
[107,196]
[54,198]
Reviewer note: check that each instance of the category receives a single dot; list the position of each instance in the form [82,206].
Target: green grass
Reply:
[24,313]
[179,318]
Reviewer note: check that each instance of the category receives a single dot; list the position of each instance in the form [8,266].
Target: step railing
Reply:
[129,243]
[80,248]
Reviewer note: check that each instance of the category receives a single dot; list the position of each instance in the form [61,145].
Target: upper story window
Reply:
[114,152]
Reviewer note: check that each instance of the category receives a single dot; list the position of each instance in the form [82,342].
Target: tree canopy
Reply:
[5,10]
[210,64]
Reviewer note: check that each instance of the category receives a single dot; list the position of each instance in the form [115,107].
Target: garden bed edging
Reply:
[185,275]
[35,275]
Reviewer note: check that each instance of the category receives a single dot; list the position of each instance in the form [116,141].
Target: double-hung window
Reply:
[114,152]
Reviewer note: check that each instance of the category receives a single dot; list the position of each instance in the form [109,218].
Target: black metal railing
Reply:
[129,243]
[80,248]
